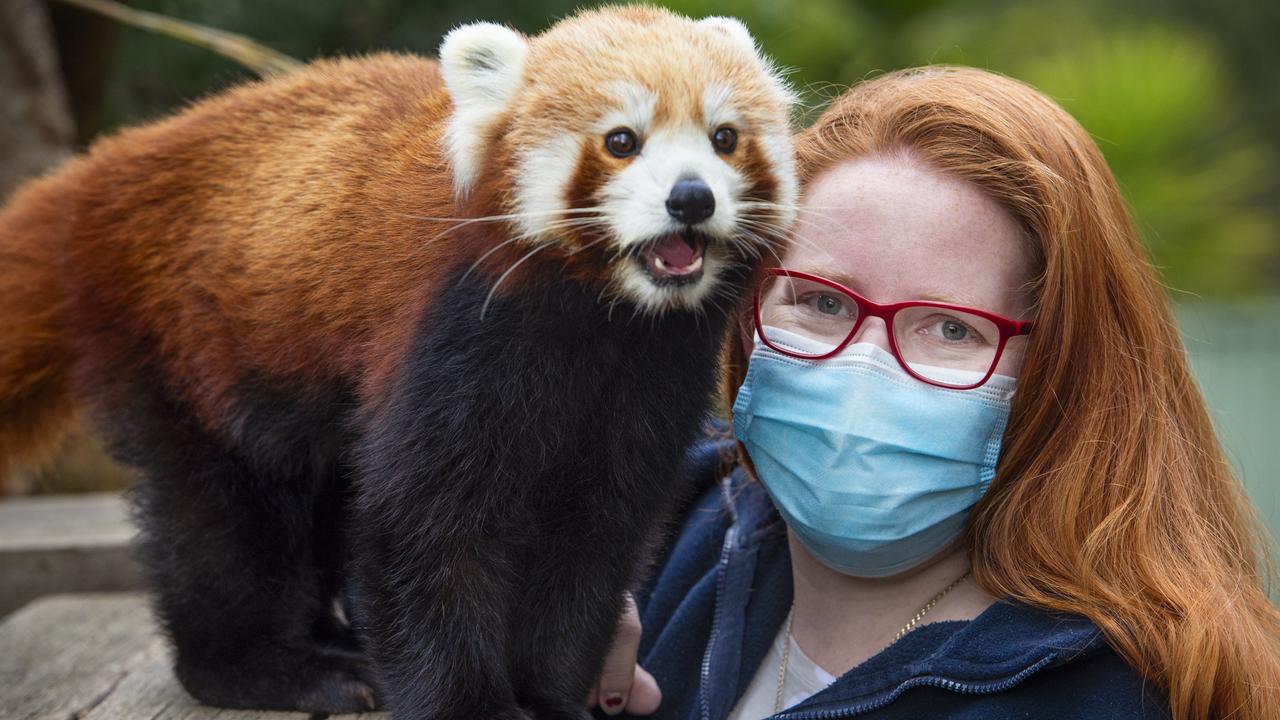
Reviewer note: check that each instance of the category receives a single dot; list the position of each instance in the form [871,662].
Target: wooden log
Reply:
[60,656]
[35,125]
[57,544]
[100,657]
[149,690]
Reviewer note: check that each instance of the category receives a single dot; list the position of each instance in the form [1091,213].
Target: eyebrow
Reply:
[836,276]
[963,300]
[932,296]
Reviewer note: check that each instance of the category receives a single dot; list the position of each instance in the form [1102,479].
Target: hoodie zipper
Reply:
[730,535]
[945,684]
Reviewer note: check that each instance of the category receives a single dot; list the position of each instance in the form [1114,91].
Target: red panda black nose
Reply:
[691,201]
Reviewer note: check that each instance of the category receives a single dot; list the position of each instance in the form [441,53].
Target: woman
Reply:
[868,556]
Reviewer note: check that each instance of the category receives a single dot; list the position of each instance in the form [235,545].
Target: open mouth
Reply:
[674,258]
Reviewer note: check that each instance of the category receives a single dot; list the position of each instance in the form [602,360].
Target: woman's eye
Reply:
[953,330]
[825,303]
[829,305]
[622,143]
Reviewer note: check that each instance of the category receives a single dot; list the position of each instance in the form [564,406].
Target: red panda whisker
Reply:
[485,306]
[810,222]
[771,229]
[750,234]
[805,241]
[487,253]
[507,216]
[767,245]
[577,250]
[761,220]
[751,203]
[572,222]
[798,211]
[749,246]
[463,222]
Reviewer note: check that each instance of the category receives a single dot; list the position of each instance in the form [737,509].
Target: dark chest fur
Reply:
[510,484]
[547,407]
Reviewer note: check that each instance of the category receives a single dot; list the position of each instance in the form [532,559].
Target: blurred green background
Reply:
[1180,95]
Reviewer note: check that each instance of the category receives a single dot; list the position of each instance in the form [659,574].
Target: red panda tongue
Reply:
[676,252]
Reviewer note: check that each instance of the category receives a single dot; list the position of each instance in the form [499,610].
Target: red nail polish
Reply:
[613,701]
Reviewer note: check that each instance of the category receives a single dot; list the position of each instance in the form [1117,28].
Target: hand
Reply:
[623,684]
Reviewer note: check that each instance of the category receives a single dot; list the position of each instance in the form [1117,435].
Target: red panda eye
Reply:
[725,139]
[621,143]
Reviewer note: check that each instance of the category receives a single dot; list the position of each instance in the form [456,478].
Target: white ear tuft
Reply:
[481,64]
[732,27]
[739,33]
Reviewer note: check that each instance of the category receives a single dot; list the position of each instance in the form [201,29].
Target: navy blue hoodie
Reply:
[721,589]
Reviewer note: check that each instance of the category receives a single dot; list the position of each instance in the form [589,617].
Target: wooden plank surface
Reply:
[99,657]
[61,655]
[59,544]
[54,521]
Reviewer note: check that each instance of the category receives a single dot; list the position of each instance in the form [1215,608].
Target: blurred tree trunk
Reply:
[36,130]
[86,46]
[36,133]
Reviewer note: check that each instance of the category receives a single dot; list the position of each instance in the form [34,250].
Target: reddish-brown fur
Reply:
[239,253]
[274,304]
[300,251]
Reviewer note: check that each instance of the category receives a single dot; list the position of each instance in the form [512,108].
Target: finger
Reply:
[619,669]
[593,696]
[645,695]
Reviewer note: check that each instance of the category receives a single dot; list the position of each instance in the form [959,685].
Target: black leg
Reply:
[434,588]
[569,607]
[566,620]
[242,584]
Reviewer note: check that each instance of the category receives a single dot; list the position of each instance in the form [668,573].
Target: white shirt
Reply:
[804,678]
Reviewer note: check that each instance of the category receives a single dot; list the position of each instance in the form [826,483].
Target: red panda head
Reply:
[662,141]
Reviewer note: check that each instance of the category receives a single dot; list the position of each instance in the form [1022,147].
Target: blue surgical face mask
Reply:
[873,470]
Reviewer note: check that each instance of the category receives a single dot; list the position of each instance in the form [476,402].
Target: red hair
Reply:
[1113,499]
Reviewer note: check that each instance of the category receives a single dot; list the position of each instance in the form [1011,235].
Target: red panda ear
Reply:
[732,27]
[739,33]
[481,64]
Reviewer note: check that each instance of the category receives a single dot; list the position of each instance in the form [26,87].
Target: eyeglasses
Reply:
[946,345]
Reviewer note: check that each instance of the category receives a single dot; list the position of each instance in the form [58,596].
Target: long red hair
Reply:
[1113,498]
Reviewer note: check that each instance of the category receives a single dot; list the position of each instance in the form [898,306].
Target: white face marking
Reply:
[779,151]
[481,65]
[716,110]
[632,203]
[635,200]
[654,299]
[541,183]
[635,110]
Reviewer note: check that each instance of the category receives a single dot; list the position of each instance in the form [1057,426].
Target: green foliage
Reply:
[1177,114]
[1158,99]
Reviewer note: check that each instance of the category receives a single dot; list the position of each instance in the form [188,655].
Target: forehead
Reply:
[898,230]
[676,70]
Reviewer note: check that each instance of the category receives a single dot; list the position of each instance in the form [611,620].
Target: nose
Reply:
[873,331]
[691,201]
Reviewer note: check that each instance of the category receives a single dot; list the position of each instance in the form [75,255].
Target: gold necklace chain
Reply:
[786,645]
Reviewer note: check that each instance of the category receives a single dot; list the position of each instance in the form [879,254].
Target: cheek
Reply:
[544,180]
[767,166]
[590,174]
[1012,358]
[757,172]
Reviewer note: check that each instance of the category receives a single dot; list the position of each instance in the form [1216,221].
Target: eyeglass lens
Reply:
[944,345]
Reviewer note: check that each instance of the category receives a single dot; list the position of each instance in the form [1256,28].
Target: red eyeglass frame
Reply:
[1007,327]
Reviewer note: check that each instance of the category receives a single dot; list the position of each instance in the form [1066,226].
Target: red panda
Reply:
[430,334]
